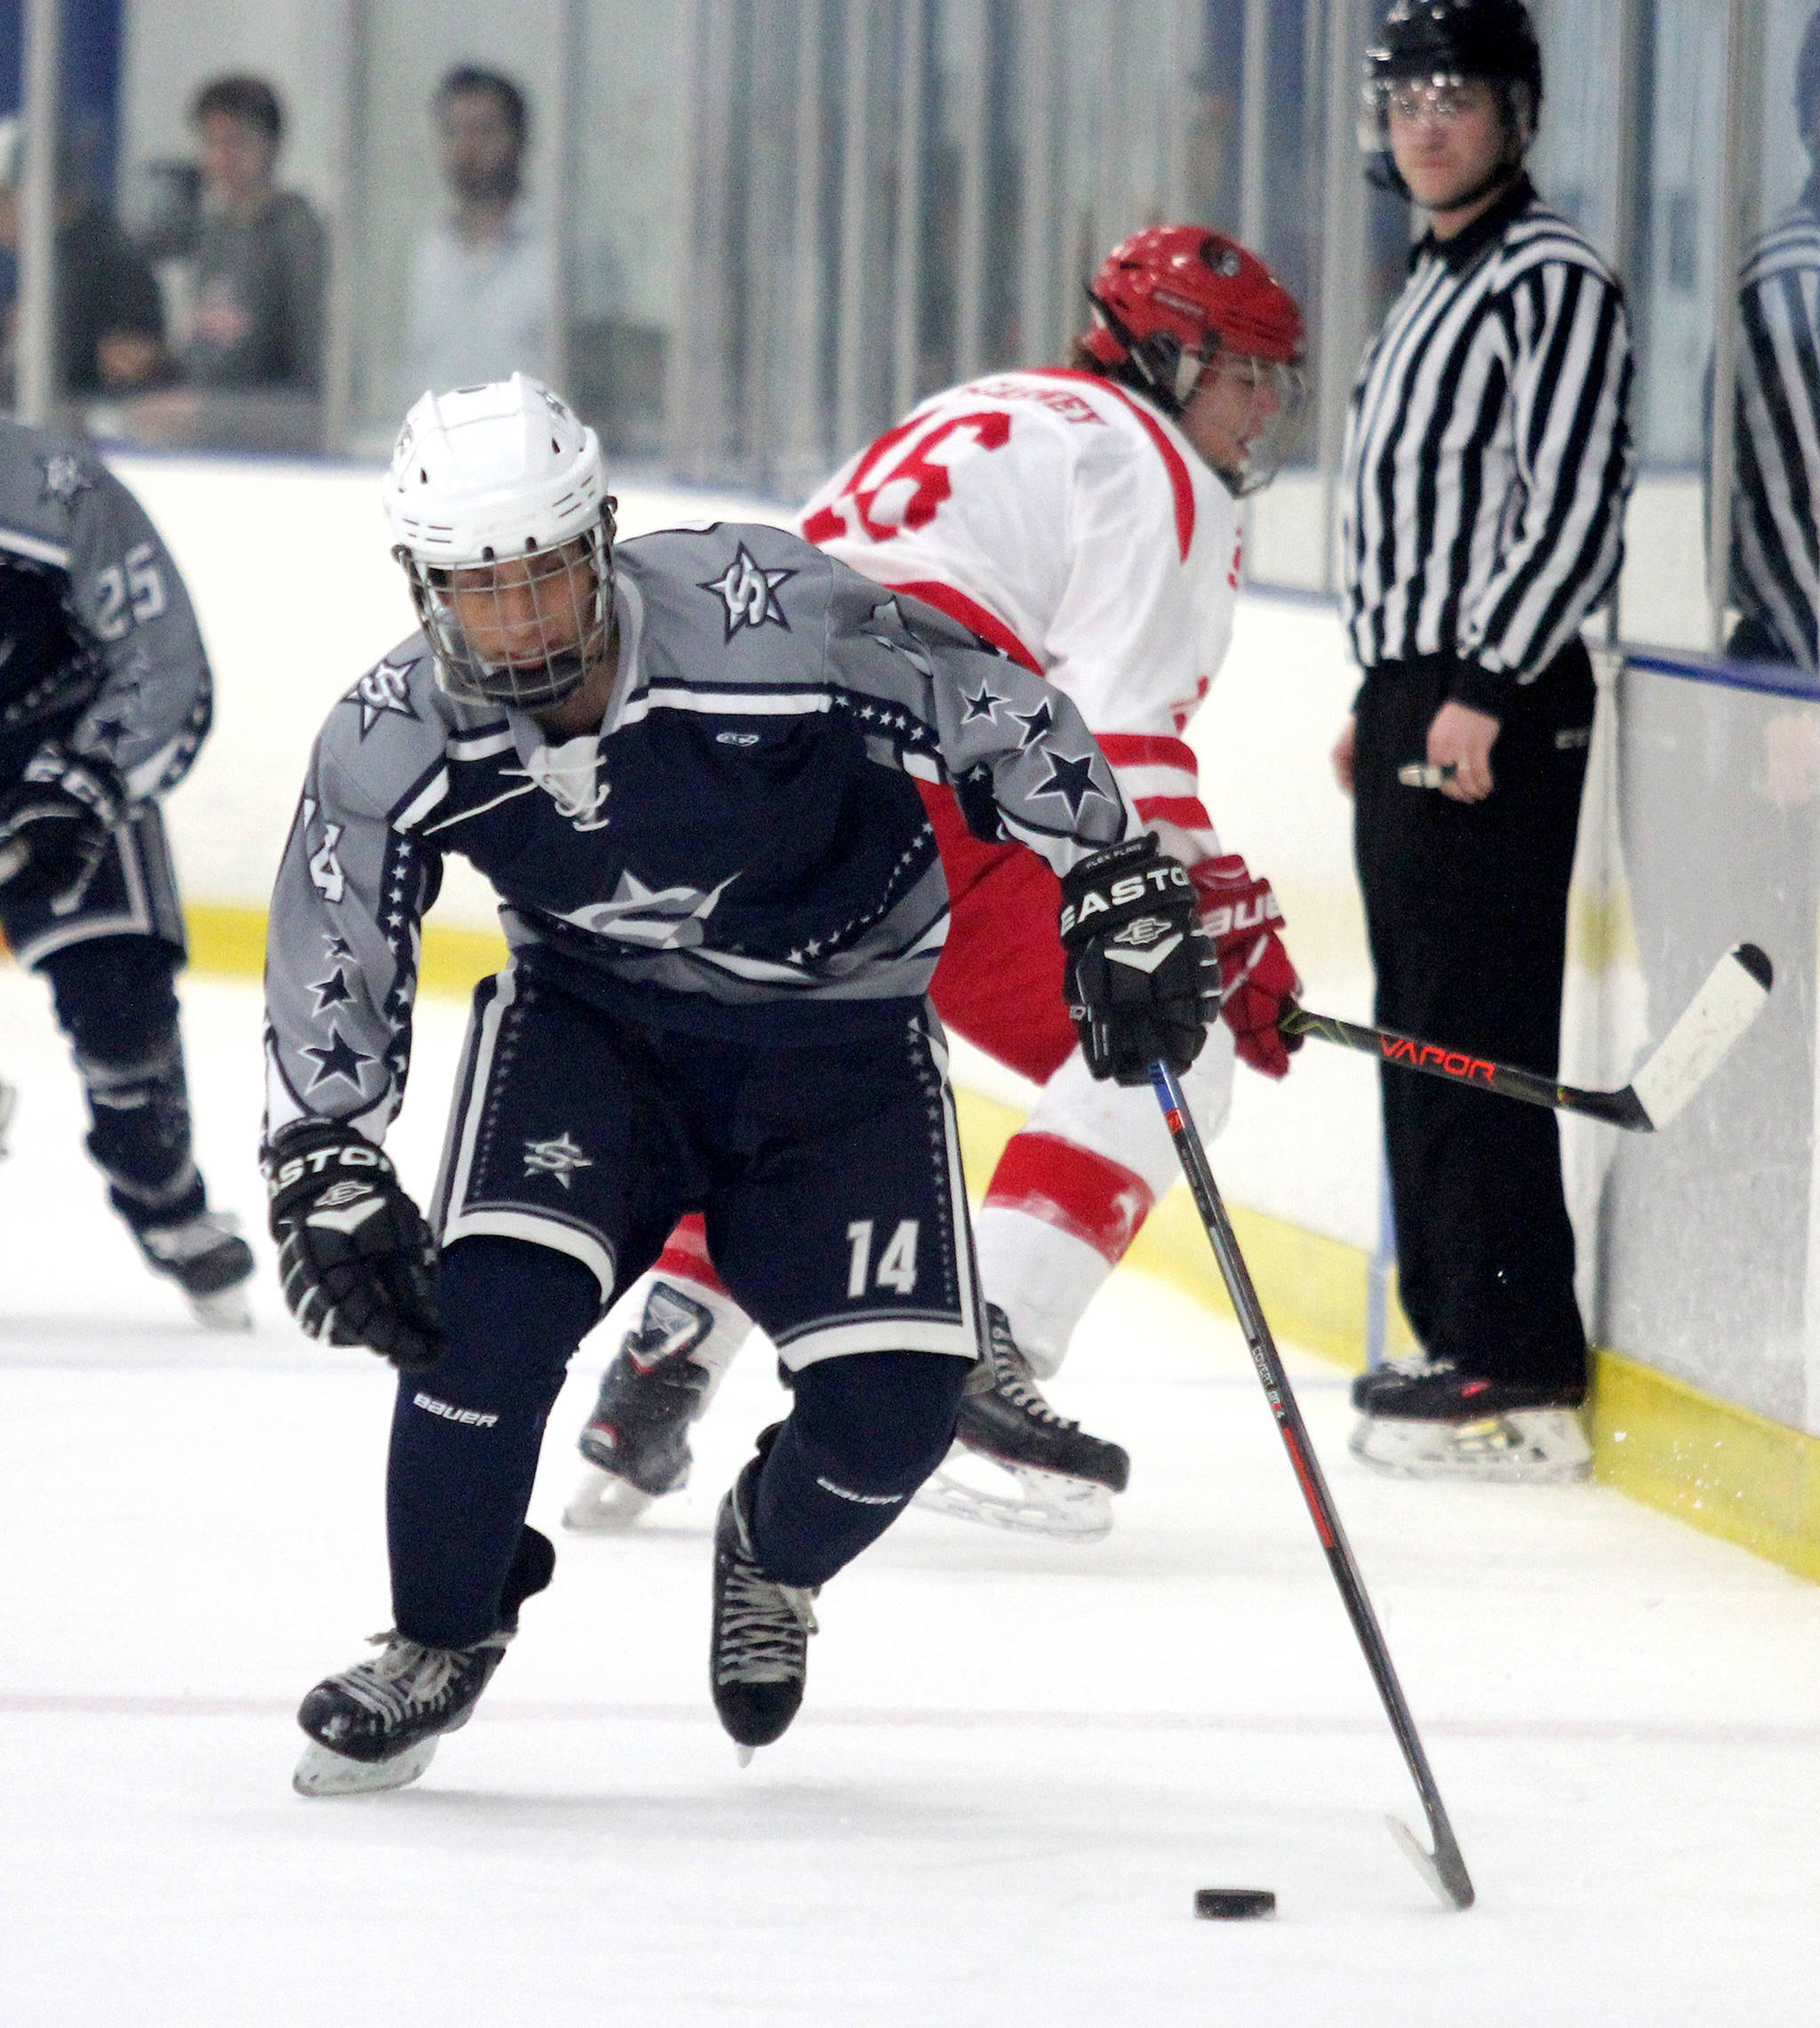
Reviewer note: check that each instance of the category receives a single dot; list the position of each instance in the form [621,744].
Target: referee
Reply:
[1775,492]
[1488,464]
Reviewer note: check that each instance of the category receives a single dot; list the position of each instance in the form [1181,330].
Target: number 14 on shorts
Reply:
[897,1265]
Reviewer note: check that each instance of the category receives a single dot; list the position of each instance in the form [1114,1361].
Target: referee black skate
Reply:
[685,762]
[1488,464]
[105,701]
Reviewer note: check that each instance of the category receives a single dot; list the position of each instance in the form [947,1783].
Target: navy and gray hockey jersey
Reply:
[99,644]
[740,851]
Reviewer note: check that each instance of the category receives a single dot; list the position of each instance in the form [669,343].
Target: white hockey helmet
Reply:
[499,505]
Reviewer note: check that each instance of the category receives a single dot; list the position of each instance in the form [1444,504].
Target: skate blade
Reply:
[324,1772]
[1536,1447]
[605,1505]
[1065,1510]
[226,1310]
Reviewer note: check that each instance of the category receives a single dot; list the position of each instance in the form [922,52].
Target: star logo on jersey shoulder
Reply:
[1071,777]
[67,477]
[559,1158]
[749,594]
[386,688]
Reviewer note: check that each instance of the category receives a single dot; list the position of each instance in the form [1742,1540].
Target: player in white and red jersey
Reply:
[1084,521]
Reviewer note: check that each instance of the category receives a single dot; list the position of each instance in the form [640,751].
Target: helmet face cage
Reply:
[1281,394]
[571,593]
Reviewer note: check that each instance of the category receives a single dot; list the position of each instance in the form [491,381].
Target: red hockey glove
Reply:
[1241,916]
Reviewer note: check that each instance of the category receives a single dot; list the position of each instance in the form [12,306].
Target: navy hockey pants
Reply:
[865,1430]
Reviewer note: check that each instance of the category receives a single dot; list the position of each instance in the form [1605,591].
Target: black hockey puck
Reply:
[1233,1905]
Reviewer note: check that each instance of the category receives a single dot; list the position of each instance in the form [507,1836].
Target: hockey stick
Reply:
[1443,1869]
[1732,998]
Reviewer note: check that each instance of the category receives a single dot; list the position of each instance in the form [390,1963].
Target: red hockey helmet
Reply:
[1172,298]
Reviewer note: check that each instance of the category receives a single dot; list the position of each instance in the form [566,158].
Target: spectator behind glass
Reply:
[482,279]
[109,321]
[251,360]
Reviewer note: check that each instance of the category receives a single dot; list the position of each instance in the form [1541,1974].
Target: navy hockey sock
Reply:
[864,1432]
[466,1433]
[117,1004]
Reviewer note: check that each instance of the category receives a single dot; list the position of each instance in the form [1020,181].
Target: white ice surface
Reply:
[1016,1762]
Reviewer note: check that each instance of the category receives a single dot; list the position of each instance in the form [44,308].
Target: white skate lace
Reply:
[763,1628]
[408,1676]
[1011,1377]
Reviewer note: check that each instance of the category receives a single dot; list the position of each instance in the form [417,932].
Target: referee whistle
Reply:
[1428,774]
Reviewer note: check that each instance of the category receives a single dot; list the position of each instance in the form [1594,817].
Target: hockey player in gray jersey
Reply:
[104,703]
[686,765]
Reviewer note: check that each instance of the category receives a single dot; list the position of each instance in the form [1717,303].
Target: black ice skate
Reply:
[1429,1420]
[758,1657]
[376,1726]
[636,1442]
[207,1258]
[1065,1478]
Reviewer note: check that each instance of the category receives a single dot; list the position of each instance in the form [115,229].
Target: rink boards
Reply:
[1700,1251]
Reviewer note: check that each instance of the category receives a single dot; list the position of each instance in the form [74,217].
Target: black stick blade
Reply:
[1444,1868]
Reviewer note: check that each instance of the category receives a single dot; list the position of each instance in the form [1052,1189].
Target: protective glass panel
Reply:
[1674,287]
[197,278]
[1706,1224]
[1775,360]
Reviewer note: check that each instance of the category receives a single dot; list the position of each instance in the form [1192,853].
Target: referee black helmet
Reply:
[1438,42]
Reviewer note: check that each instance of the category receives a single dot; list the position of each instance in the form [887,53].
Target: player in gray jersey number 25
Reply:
[104,704]
[686,764]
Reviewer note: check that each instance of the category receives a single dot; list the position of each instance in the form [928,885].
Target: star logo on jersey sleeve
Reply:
[559,1159]
[332,992]
[887,627]
[748,593]
[337,1059]
[1040,723]
[1071,777]
[983,704]
[386,688]
[65,478]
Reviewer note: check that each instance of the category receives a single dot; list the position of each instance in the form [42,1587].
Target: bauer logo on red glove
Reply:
[1141,977]
[1239,914]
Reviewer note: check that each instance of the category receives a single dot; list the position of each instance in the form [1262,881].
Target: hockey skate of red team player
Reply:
[1085,521]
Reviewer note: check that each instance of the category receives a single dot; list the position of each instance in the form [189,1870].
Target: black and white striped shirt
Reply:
[1776,490]
[1489,453]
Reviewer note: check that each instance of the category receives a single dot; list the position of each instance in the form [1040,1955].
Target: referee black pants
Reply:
[1467,908]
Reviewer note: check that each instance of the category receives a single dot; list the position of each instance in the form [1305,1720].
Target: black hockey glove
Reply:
[358,1262]
[1142,980]
[54,823]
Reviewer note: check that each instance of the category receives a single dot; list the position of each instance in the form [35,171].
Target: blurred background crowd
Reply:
[745,233]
